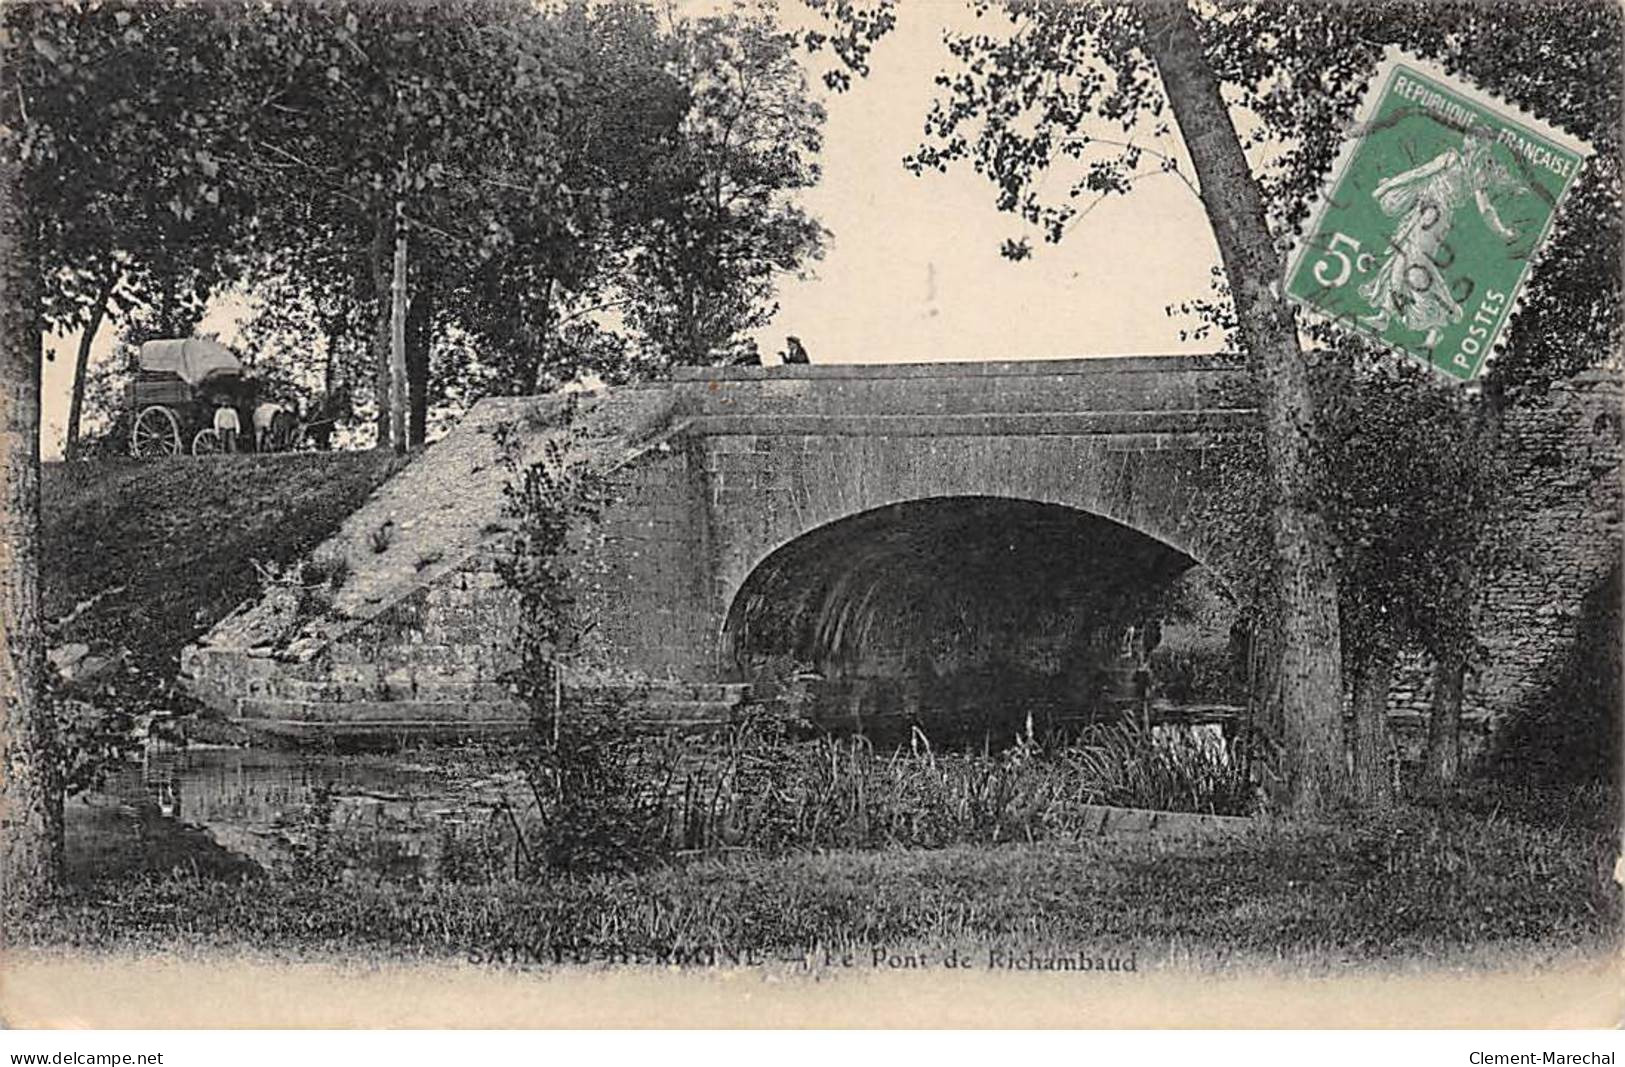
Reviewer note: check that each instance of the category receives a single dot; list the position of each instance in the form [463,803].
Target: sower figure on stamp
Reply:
[1410,284]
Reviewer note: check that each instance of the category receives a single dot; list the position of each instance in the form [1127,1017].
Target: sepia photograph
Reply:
[953,514]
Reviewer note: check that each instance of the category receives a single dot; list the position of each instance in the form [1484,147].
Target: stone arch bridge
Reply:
[881,521]
[924,534]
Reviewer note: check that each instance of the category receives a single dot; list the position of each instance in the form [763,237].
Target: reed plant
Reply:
[765,786]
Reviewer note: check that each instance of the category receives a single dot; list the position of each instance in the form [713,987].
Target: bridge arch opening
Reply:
[966,615]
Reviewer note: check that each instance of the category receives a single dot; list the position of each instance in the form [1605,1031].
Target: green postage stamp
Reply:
[1437,206]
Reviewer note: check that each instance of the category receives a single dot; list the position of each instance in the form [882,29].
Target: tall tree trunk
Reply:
[168,313]
[1309,686]
[536,358]
[324,420]
[1459,592]
[1444,720]
[397,339]
[330,368]
[1373,781]
[382,297]
[419,339]
[30,792]
[81,365]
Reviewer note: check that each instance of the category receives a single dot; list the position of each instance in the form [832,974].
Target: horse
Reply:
[284,430]
[331,409]
[275,427]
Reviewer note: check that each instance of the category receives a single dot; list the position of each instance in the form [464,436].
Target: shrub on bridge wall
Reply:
[546,499]
[583,767]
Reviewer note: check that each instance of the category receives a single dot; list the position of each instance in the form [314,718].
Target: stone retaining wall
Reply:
[1561,525]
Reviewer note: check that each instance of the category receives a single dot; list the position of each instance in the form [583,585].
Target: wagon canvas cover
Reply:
[191,358]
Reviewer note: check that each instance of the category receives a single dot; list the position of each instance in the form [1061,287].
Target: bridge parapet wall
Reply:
[1026,388]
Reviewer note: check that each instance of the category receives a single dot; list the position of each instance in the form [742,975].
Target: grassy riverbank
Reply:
[142,556]
[1480,875]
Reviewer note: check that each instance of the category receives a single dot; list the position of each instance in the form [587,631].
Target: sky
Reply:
[912,271]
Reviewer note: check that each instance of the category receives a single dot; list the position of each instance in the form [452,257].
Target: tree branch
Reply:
[1173,164]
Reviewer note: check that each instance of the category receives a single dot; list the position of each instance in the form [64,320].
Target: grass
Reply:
[752,787]
[161,549]
[166,544]
[1430,884]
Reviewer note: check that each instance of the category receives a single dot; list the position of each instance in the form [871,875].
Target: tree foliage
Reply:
[721,224]
[545,156]
[1059,106]
[542,156]
[126,119]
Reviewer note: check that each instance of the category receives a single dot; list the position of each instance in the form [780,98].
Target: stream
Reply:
[379,818]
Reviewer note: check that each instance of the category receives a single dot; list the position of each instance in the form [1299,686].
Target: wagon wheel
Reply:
[206,443]
[156,433]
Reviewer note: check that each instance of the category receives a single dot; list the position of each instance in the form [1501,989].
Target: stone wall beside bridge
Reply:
[1560,541]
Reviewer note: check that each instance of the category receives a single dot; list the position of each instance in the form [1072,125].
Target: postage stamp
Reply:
[1439,203]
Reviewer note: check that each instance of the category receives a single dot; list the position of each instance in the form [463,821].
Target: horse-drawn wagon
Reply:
[180,385]
[177,388]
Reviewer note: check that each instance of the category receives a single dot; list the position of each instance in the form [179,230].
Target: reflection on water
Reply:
[295,814]
[397,819]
